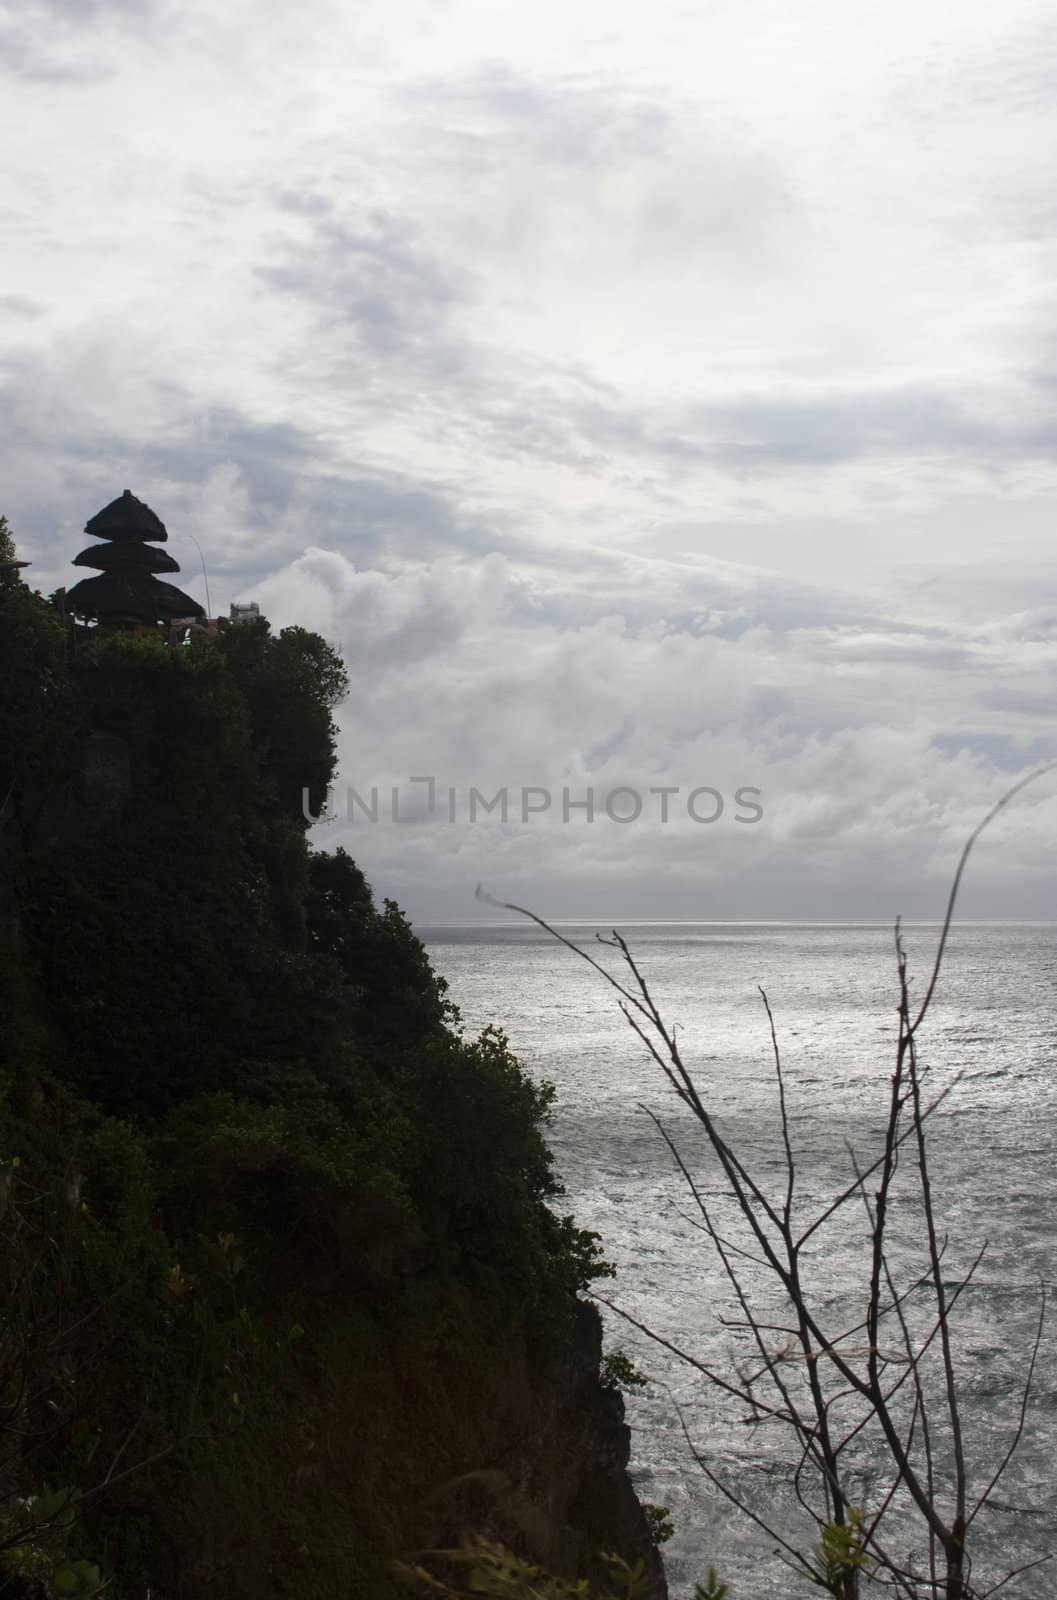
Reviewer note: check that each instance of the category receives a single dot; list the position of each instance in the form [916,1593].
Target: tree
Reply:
[292,684]
[36,703]
[395,997]
[235,1120]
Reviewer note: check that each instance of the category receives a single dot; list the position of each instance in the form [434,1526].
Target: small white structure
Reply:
[250,612]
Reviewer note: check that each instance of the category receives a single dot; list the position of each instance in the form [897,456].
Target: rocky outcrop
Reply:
[405,1451]
[557,1490]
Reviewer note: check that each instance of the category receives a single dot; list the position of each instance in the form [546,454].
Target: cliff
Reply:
[288,1291]
[557,1489]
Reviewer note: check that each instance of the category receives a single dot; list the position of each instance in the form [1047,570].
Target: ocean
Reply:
[992,1147]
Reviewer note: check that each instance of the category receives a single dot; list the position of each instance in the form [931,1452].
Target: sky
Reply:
[641,398]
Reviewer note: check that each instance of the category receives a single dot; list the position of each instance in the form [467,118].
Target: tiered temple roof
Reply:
[128,594]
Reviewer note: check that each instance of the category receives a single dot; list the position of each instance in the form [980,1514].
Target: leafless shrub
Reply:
[882,1385]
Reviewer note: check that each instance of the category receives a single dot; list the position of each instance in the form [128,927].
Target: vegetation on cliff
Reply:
[279,1258]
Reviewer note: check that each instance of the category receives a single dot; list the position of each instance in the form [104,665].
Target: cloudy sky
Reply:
[639,396]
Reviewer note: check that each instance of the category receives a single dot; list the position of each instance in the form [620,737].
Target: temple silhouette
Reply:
[128,593]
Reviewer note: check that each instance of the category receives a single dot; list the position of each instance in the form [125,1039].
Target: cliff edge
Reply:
[288,1293]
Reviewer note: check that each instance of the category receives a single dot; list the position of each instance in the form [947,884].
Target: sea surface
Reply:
[992,1149]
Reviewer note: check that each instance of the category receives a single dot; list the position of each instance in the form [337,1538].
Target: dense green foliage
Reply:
[482,1568]
[262,1204]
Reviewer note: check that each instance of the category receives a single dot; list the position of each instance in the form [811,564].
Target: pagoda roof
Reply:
[127,518]
[130,597]
[126,555]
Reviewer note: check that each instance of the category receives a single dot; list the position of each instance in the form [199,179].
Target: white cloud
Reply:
[876,742]
[633,397]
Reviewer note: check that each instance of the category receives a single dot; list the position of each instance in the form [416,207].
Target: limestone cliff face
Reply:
[410,1453]
[601,1498]
[556,1487]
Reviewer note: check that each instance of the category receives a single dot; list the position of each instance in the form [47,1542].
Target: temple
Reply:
[128,594]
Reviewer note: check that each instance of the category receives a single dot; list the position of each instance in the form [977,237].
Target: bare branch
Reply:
[1024,1398]
[790,1164]
[816,1387]
[1000,805]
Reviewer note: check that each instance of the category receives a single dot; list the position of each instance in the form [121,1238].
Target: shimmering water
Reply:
[834,994]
